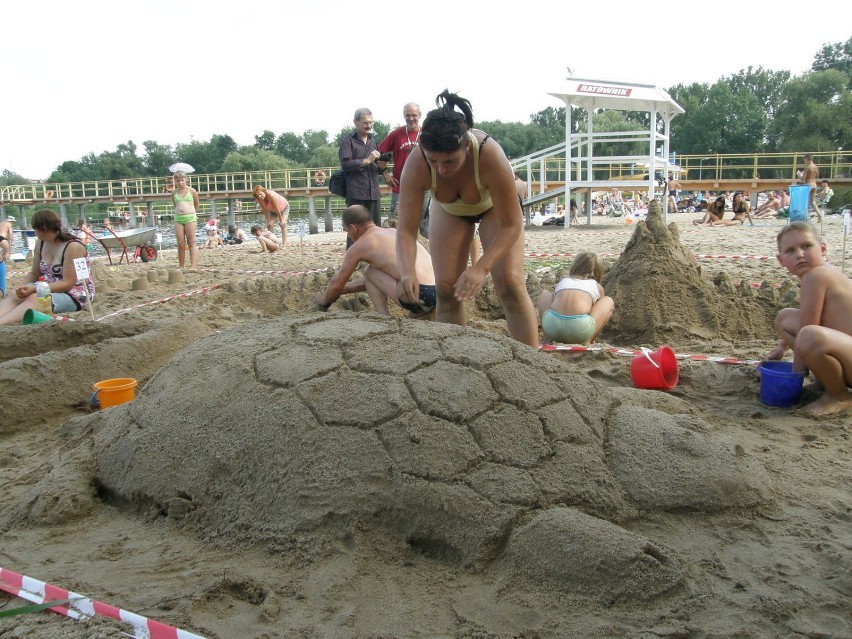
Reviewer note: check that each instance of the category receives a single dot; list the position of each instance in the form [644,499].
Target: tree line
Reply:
[752,111]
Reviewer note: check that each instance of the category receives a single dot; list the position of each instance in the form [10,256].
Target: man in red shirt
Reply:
[401,142]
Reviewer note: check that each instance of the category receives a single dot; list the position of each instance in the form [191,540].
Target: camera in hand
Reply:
[386,157]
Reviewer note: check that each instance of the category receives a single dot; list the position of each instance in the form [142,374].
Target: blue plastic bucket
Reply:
[779,385]
[799,202]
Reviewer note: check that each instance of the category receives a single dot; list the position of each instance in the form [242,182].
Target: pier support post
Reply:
[329,221]
[151,220]
[131,222]
[232,218]
[313,227]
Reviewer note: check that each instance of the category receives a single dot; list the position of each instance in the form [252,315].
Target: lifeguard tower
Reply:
[587,171]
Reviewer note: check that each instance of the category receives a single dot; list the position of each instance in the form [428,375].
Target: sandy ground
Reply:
[81,505]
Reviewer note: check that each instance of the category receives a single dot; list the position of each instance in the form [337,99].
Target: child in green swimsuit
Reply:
[186,208]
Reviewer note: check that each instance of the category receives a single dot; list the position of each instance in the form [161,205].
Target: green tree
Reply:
[314,139]
[723,122]
[510,135]
[767,86]
[325,156]
[207,157]
[121,163]
[9,178]
[251,158]
[86,169]
[158,158]
[816,114]
[265,141]
[835,56]
[291,146]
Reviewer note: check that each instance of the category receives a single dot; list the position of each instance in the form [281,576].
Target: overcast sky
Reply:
[82,77]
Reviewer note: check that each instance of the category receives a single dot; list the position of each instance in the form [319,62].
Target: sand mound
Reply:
[661,296]
[53,365]
[443,437]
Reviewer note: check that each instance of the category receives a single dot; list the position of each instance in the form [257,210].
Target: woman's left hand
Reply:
[469,284]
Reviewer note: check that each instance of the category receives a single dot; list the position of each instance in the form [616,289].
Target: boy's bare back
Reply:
[829,290]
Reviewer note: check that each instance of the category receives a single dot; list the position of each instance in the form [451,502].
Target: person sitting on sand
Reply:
[820,330]
[235,235]
[741,209]
[769,209]
[713,213]
[53,260]
[214,240]
[377,247]
[577,311]
[269,242]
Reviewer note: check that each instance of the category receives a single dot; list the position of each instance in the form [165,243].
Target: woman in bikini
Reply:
[53,259]
[742,210]
[714,212]
[470,180]
[578,309]
[186,208]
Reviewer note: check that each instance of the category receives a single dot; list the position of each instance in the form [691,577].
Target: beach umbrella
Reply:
[181,166]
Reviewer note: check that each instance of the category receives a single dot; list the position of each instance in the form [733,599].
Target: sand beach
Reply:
[289,473]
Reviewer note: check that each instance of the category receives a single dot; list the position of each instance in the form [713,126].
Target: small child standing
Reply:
[577,311]
[820,330]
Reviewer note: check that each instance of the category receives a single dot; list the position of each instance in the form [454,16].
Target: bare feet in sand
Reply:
[828,406]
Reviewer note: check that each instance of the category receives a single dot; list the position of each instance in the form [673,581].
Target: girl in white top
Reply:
[577,311]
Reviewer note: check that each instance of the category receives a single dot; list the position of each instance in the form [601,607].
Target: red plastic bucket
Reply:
[655,369]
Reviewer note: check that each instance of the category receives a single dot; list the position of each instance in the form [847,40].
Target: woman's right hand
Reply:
[408,289]
[468,284]
[25,291]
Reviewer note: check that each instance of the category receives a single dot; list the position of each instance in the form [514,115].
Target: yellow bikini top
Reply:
[460,208]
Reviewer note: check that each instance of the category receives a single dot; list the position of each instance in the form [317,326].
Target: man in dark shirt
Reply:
[359,155]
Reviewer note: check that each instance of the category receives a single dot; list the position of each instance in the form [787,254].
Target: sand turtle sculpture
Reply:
[302,432]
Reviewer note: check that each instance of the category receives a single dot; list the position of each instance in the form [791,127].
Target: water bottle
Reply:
[45,302]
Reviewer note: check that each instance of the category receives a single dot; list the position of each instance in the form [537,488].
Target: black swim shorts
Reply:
[425,304]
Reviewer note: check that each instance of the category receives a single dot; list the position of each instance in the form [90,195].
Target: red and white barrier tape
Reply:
[696,255]
[206,289]
[82,607]
[632,353]
[244,272]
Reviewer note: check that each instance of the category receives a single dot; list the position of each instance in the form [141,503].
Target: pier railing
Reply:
[541,168]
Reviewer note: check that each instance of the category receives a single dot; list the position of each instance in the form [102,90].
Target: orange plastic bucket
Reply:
[112,392]
[657,369]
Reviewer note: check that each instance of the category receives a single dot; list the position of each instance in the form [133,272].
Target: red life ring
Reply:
[319,178]
[48,194]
